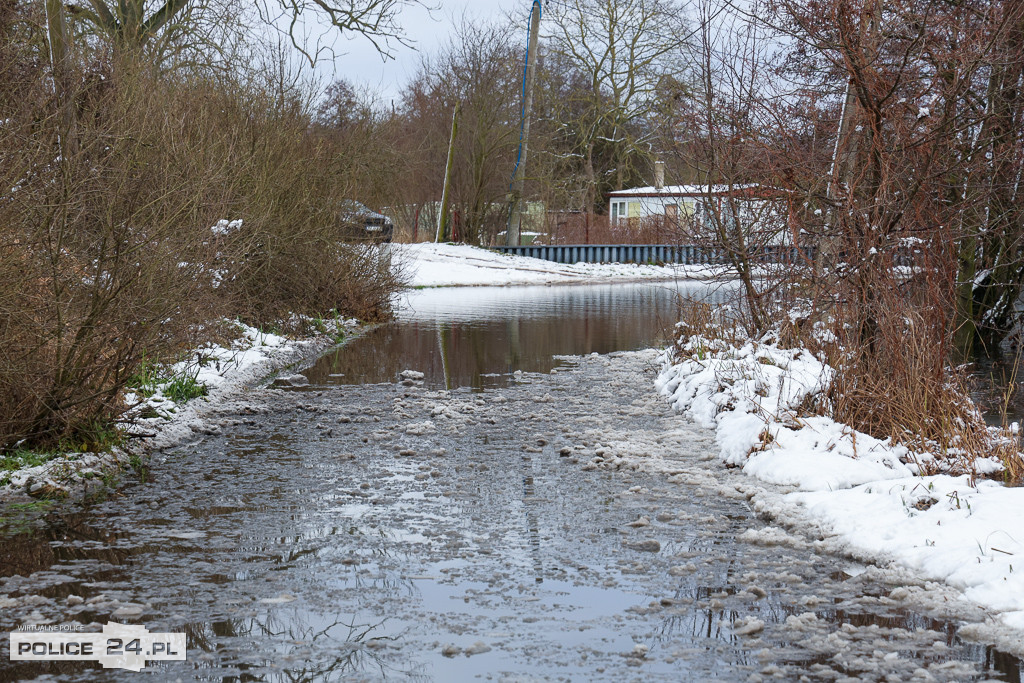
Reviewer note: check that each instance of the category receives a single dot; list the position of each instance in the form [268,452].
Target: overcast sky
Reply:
[358,62]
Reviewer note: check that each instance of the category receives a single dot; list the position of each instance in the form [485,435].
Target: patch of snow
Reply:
[863,495]
[748,626]
[446,265]
[224,227]
[969,536]
[739,392]
[771,535]
[420,428]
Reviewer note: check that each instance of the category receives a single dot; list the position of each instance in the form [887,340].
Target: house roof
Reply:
[689,191]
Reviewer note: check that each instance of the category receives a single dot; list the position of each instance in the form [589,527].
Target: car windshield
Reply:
[351,209]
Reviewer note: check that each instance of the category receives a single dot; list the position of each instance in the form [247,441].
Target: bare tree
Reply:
[132,24]
[481,70]
[621,51]
[927,154]
[990,246]
[722,128]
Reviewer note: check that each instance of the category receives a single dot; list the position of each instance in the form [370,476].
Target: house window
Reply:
[618,211]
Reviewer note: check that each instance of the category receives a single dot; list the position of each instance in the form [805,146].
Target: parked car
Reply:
[360,223]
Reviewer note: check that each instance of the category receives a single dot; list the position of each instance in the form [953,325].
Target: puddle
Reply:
[478,336]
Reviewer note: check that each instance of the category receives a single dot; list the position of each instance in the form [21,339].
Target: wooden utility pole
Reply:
[442,219]
[515,218]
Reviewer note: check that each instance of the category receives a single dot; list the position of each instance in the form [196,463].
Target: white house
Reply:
[675,201]
[687,208]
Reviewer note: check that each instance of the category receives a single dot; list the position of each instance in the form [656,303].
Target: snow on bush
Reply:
[758,399]
[740,390]
[751,396]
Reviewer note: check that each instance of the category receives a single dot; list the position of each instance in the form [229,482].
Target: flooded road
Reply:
[508,528]
[478,336]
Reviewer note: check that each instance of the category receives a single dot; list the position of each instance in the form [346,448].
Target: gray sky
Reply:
[358,62]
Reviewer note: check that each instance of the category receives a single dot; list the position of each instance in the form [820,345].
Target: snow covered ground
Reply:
[863,494]
[443,265]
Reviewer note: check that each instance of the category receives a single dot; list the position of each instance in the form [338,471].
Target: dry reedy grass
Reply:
[901,387]
[903,392]
[1013,461]
[106,253]
[899,384]
[699,319]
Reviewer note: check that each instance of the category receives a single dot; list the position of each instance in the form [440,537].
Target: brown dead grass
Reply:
[899,389]
[901,386]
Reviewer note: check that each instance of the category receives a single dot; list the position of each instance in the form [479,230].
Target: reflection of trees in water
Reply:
[500,333]
[340,647]
[532,524]
[996,660]
[708,622]
[15,672]
[34,551]
[391,583]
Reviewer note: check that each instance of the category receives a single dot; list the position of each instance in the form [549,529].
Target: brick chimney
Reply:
[659,175]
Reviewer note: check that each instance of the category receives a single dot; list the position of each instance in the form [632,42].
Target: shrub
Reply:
[100,261]
[286,257]
[107,256]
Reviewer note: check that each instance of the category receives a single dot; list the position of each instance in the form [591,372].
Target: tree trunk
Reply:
[59,40]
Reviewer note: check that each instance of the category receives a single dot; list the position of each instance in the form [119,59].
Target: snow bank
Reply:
[863,492]
[940,526]
[443,265]
[224,371]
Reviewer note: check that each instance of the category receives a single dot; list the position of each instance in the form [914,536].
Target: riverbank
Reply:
[866,497]
[159,419]
[452,265]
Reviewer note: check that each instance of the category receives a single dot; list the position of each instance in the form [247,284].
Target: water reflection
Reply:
[995,387]
[478,336]
[317,647]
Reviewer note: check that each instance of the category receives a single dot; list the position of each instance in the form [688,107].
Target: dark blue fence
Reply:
[688,254]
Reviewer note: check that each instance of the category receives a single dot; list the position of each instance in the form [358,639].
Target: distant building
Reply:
[679,201]
[689,210]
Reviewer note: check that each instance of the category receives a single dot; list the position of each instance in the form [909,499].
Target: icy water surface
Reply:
[477,336]
[562,526]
